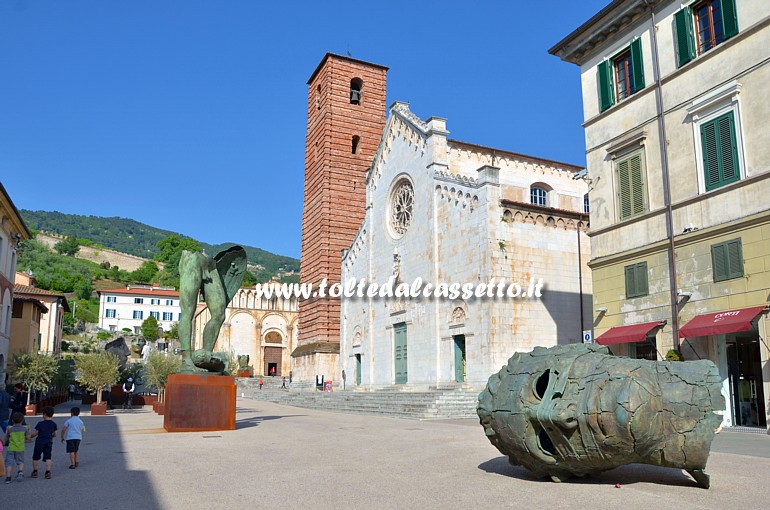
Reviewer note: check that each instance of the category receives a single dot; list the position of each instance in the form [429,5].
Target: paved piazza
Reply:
[285,457]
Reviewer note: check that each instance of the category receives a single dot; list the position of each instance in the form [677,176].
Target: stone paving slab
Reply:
[285,457]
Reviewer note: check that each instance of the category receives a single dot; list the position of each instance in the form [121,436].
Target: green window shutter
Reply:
[630,281]
[637,184]
[625,198]
[637,64]
[641,279]
[719,145]
[728,148]
[734,258]
[685,40]
[729,18]
[630,187]
[636,280]
[719,261]
[606,87]
[708,136]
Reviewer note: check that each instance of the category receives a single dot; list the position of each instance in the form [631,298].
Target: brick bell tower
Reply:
[345,120]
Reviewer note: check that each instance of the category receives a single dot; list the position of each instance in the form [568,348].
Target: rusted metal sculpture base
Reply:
[199,402]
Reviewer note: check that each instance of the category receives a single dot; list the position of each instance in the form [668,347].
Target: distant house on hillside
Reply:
[129,307]
[51,321]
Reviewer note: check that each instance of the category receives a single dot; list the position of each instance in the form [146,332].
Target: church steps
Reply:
[422,405]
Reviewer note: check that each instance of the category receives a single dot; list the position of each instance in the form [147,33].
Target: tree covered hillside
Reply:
[135,238]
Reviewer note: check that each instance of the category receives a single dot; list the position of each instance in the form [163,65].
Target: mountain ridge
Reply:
[135,238]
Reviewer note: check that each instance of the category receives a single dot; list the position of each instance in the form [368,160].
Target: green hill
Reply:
[135,238]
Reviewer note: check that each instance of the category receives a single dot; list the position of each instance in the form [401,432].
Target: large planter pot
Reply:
[244,372]
[30,410]
[161,408]
[155,406]
[99,409]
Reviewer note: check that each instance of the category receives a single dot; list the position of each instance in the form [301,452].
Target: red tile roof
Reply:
[34,291]
[141,291]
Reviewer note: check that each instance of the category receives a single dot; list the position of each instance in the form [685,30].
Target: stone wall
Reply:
[99,255]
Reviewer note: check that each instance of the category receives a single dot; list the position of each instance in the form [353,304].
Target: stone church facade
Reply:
[265,329]
[448,211]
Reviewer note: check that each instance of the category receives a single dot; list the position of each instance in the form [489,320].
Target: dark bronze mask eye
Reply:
[545,442]
[541,385]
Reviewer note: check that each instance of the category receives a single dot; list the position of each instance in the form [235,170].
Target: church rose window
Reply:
[402,204]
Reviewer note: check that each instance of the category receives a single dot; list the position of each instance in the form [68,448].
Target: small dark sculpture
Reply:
[119,348]
[575,410]
[243,361]
[218,279]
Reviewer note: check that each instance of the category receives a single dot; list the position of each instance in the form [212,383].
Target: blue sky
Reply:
[190,115]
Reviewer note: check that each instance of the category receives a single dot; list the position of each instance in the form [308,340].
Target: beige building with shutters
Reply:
[680,231]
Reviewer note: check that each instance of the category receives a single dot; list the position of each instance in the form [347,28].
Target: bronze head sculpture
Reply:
[574,410]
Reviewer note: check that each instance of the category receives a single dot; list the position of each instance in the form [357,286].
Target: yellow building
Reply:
[25,326]
[680,231]
[12,231]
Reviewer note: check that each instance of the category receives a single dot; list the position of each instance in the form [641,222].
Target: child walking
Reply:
[15,436]
[72,432]
[44,433]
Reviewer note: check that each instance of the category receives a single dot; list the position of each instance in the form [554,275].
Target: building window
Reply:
[356,90]
[169,302]
[154,301]
[643,350]
[354,147]
[538,196]
[621,76]
[179,317]
[168,316]
[112,328]
[720,151]
[586,204]
[631,186]
[636,280]
[18,310]
[401,207]
[727,260]
[138,314]
[155,314]
[109,313]
[112,299]
[138,300]
[703,26]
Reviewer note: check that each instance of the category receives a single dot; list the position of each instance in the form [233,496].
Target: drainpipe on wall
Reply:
[666,178]
[580,281]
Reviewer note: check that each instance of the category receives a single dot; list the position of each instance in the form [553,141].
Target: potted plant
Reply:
[157,369]
[674,355]
[94,372]
[35,372]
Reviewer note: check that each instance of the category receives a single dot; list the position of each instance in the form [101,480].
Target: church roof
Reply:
[340,57]
[516,155]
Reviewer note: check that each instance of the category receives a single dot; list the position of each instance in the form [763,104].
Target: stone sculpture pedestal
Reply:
[199,402]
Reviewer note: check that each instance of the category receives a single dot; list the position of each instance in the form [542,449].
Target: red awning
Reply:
[731,321]
[628,334]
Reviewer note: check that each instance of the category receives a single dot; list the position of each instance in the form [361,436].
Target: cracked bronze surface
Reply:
[574,410]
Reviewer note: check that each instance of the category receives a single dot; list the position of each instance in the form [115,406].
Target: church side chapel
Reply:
[264,329]
[454,212]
